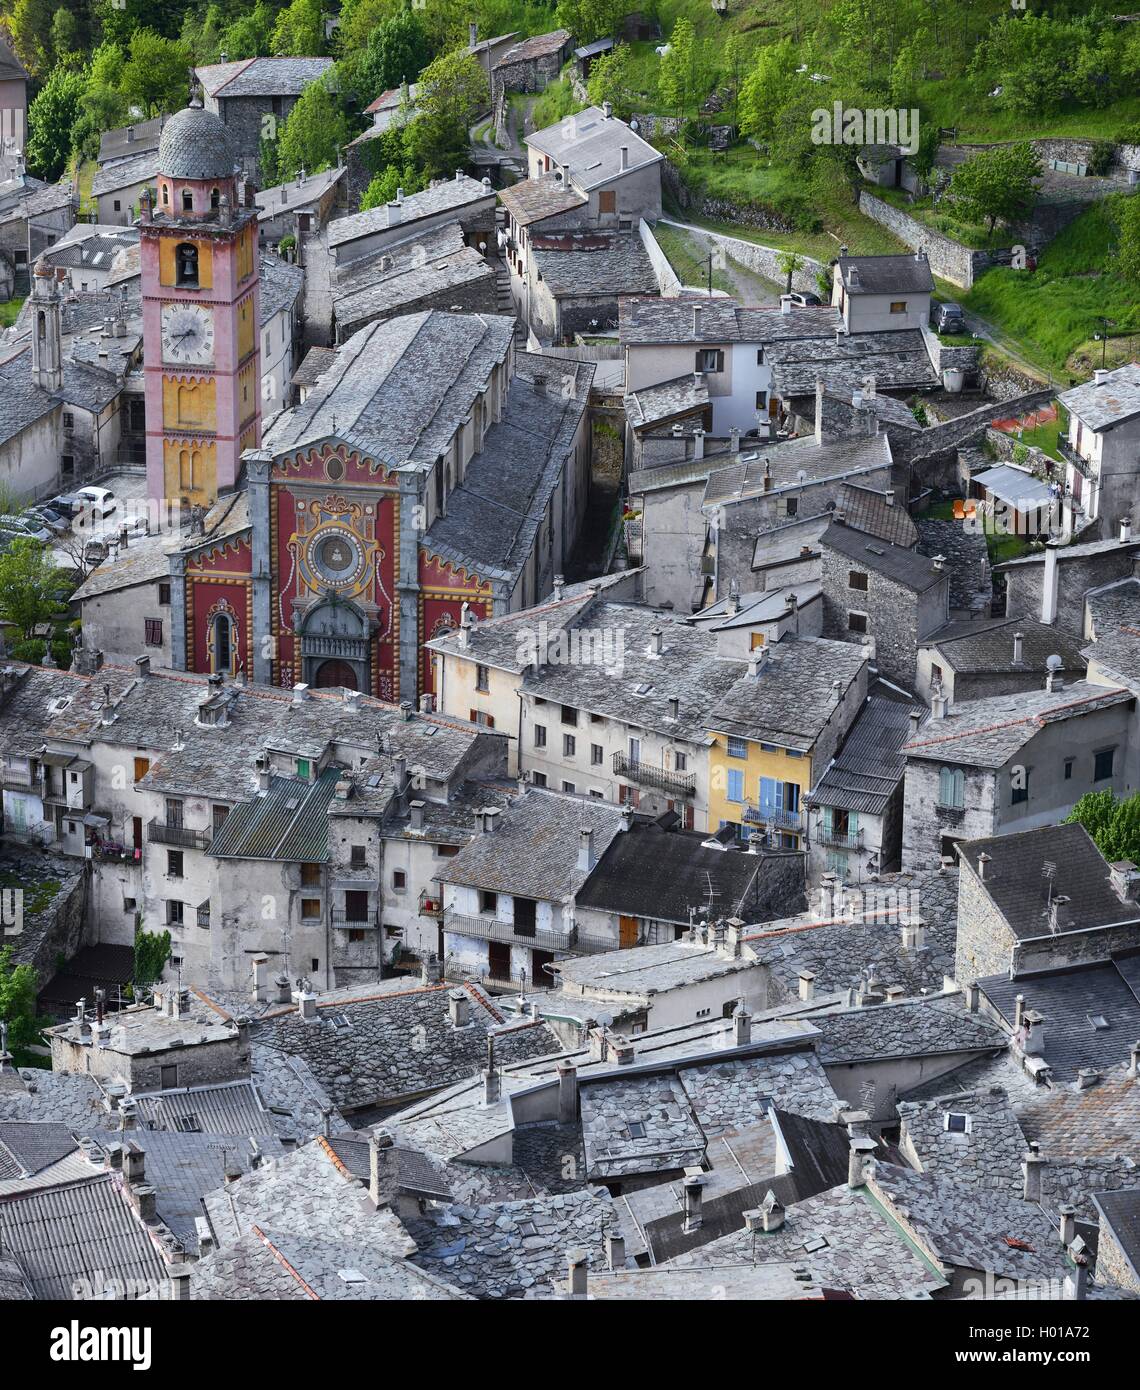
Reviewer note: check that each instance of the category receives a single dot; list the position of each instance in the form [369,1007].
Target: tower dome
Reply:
[195,144]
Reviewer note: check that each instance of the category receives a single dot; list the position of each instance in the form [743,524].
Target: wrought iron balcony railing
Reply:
[673,783]
[161,834]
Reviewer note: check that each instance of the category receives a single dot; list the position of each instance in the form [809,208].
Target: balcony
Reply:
[159,834]
[490,929]
[431,905]
[673,783]
[341,919]
[775,817]
[1070,455]
[204,914]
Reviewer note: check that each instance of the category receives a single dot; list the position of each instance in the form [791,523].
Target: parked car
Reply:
[21,526]
[100,498]
[805,299]
[947,318]
[56,523]
[95,552]
[67,504]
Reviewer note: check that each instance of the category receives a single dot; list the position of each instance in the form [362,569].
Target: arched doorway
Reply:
[337,674]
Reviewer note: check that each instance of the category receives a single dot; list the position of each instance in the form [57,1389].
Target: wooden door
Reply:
[627,932]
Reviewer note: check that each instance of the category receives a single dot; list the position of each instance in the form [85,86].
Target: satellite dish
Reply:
[604,1019]
[1053,663]
[635,124]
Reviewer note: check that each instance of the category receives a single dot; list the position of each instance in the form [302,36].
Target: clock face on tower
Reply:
[188,334]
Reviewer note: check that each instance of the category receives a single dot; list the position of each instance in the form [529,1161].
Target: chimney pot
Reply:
[691,1187]
[615,1251]
[459,1008]
[577,1273]
[567,1093]
[807,986]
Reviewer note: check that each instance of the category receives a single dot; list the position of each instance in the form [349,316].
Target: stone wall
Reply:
[1112,1265]
[948,259]
[926,823]
[1025,585]
[892,614]
[58,927]
[964,429]
[1075,947]
[667,282]
[985,942]
[761,259]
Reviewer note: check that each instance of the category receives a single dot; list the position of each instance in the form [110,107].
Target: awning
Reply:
[58,759]
[1021,490]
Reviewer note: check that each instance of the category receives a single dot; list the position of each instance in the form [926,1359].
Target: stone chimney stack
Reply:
[1032,1167]
[691,1187]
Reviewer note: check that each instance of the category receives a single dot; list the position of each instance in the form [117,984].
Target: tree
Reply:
[64,35]
[769,86]
[155,73]
[588,20]
[398,49]
[383,186]
[997,183]
[314,133]
[452,91]
[788,262]
[51,123]
[152,951]
[1128,238]
[249,35]
[31,26]
[1113,825]
[202,34]
[675,79]
[18,985]
[299,31]
[32,587]
[611,79]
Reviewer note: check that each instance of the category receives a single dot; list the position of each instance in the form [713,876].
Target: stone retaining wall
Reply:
[949,259]
[760,259]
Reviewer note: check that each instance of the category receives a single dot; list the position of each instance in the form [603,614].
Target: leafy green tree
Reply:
[18,985]
[588,20]
[768,87]
[65,38]
[1112,824]
[31,26]
[155,74]
[675,81]
[152,951]
[313,134]
[102,105]
[611,79]
[452,91]
[997,183]
[398,49]
[299,31]
[33,587]
[51,123]
[249,35]
[928,140]
[382,188]
[359,20]
[202,34]
[1128,239]
[788,262]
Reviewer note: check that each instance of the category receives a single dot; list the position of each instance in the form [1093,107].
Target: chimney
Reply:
[459,1008]
[1049,587]
[615,1251]
[655,636]
[1100,376]
[861,1150]
[1125,529]
[807,986]
[586,860]
[698,444]
[567,1093]
[577,1273]
[1018,640]
[734,440]
[937,703]
[492,818]
[431,970]
[1032,1167]
[1054,680]
[1077,1279]
[260,978]
[607,110]
[300,693]
[1034,1033]
[308,1002]
[983,860]
[970,993]
[915,720]
[130,135]
[770,1216]
[691,1187]
[416,810]
[756,659]
[382,1172]
[472,33]
[913,935]
[1087,1077]
[1068,1226]
[624,154]
[144,1198]
[853,278]
[741,1025]
[395,212]
[1134,1061]
[134,1164]
[785,304]
[490,1086]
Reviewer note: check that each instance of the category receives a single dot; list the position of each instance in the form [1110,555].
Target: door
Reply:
[539,959]
[499,960]
[136,831]
[18,814]
[335,674]
[627,932]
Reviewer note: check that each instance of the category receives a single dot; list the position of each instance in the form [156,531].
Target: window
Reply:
[356,906]
[607,200]
[1020,790]
[737,748]
[168,1077]
[856,579]
[935,672]
[856,622]
[1069,769]
[680,762]
[358,856]
[569,744]
[569,788]
[68,421]
[355,934]
[215,197]
[118,205]
[761,400]
[174,863]
[597,795]
[597,755]
[570,716]
[898,306]
[399,880]
[1102,765]
[222,647]
[957,1123]
[759,357]
[710,360]
[66,464]
[488,901]
[173,912]
[129,904]
[446,851]
[187,200]
[482,718]
[164,594]
[482,678]
[540,735]
[186,265]
[792,506]
[152,632]
[303,767]
[735,790]
[142,767]
[310,909]
[952,787]
[220,812]
[635,750]
[538,779]
[174,813]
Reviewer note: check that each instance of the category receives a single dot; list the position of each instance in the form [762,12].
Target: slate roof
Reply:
[867,770]
[70,1098]
[986,1155]
[26,1148]
[987,733]
[869,511]
[11,69]
[638,1125]
[1120,1213]
[660,874]
[897,359]
[844,1237]
[1014,485]
[587,145]
[1103,407]
[1117,654]
[22,402]
[280,285]
[140,168]
[1018,889]
[910,1028]
[783,463]
[1082,550]
[1114,606]
[646,971]
[79,1233]
[195,144]
[791,700]
[727,1096]
[399,277]
[1070,1000]
[970,1227]
[886,274]
[298,193]
[116,144]
[532,200]
[357,1047]
[501,641]
[539,46]
[233,1107]
[445,196]
[534,852]
[1100,1122]
[580,264]
[672,321]
[650,405]
[256,77]
[982,648]
[313,366]
[906,567]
